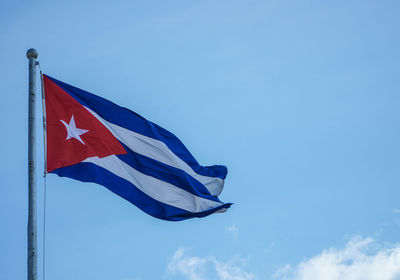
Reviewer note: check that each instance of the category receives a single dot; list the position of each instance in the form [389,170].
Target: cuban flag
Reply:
[91,139]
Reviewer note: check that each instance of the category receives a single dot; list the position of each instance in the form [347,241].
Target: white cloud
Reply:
[191,267]
[232,270]
[196,268]
[354,262]
[233,230]
[396,210]
[282,271]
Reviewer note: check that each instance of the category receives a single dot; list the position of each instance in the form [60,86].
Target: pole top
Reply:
[32,53]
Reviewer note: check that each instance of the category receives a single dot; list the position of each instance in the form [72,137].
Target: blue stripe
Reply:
[89,172]
[164,172]
[130,120]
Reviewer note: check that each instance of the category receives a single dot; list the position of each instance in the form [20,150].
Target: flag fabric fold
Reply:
[92,139]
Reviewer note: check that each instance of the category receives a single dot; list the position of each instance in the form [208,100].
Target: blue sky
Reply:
[299,99]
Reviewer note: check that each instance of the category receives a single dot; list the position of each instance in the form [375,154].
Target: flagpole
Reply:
[32,54]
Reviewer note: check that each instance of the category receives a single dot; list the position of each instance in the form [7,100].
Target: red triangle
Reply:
[61,152]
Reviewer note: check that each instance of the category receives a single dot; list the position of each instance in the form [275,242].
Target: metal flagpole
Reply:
[32,54]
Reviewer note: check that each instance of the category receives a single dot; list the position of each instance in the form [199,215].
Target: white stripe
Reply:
[153,187]
[159,151]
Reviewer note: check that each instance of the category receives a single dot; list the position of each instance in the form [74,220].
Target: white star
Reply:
[73,131]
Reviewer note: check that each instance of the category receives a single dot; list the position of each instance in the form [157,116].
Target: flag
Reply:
[91,139]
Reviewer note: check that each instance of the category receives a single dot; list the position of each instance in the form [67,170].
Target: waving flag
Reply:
[91,139]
